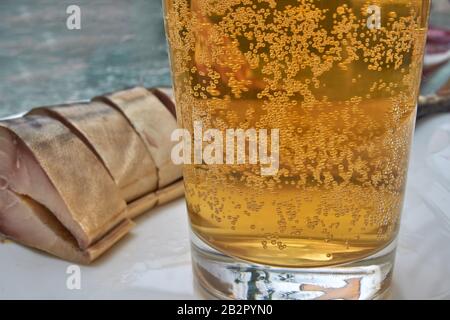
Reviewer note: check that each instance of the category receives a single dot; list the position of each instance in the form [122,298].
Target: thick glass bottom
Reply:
[229,278]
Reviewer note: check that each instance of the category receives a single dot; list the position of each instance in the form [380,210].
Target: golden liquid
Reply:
[343,96]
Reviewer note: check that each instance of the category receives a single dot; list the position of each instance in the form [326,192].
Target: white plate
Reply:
[153,262]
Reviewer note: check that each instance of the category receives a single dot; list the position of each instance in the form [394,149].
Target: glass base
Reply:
[225,277]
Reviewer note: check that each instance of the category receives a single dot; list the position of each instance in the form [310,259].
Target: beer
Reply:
[339,80]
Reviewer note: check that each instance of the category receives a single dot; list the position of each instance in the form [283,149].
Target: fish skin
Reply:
[48,155]
[108,133]
[27,222]
[165,95]
[154,123]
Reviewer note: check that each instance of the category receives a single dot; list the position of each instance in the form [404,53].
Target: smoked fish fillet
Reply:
[107,132]
[25,221]
[154,122]
[73,176]
[44,160]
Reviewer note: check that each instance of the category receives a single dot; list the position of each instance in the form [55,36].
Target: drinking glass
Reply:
[300,116]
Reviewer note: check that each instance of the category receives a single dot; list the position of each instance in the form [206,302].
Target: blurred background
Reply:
[121,44]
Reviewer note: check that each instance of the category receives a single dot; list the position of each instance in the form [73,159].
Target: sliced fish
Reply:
[160,197]
[154,122]
[42,159]
[108,133]
[29,223]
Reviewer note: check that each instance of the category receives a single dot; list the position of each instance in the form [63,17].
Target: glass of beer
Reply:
[297,119]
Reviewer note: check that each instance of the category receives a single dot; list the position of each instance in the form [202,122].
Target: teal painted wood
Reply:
[121,44]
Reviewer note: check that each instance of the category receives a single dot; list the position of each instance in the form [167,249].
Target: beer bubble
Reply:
[340,10]
[392,14]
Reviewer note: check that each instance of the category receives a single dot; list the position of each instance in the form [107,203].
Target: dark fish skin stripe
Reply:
[165,100]
[48,112]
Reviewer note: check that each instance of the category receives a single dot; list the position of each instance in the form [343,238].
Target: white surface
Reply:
[153,262]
